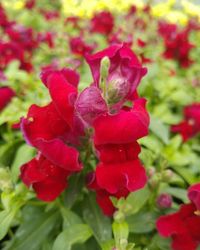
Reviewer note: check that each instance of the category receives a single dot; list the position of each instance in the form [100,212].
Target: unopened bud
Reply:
[164,201]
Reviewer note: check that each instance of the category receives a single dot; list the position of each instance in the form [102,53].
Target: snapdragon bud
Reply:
[164,201]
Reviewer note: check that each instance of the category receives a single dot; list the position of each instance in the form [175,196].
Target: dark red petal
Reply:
[49,189]
[194,195]
[42,122]
[63,95]
[60,154]
[184,242]
[105,203]
[118,152]
[31,172]
[171,224]
[114,177]
[125,127]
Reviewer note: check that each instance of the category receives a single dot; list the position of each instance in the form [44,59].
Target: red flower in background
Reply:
[183,226]
[190,126]
[23,36]
[6,94]
[79,47]
[30,4]
[47,179]
[177,45]
[102,23]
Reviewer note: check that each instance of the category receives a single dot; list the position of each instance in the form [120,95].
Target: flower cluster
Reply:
[183,226]
[177,45]
[55,129]
[190,126]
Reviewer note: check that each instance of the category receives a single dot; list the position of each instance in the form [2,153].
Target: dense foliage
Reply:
[99,130]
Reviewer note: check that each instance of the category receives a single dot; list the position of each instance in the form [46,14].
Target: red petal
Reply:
[194,195]
[60,154]
[114,177]
[109,153]
[125,127]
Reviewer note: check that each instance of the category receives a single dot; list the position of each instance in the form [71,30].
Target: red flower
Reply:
[45,129]
[102,23]
[23,36]
[115,153]
[79,47]
[47,179]
[119,171]
[124,73]
[29,4]
[194,195]
[177,45]
[118,129]
[183,226]
[191,125]
[51,127]
[123,177]
[6,94]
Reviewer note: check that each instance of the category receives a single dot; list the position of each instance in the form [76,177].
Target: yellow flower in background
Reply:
[191,8]
[14,4]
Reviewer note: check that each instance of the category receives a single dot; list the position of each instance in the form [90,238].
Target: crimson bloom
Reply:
[6,94]
[190,126]
[177,45]
[119,171]
[102,22]
[123,75]
[51,128]
[79,47]
[183,226]
[47,179]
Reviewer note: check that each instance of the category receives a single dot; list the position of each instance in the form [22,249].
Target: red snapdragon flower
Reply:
[6,94]
[47,179]
[22,36]
[119,171]
[102,22]
[51,127]
[123,74]
[79,47]
[30,4]
[177,45]
[183,226]
[190,126]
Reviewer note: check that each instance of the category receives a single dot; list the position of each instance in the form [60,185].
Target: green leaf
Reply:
[78,233]
[142,222]
[23,155]
[160,243]
[98,222]
[6,218]
[35,228]
[69,218]
[137,200]
[159,129]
